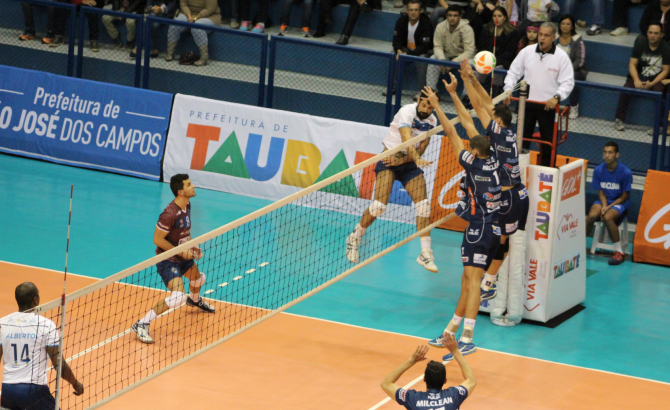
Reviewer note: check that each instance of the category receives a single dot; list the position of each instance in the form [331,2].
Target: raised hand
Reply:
[451,87]
[419,354]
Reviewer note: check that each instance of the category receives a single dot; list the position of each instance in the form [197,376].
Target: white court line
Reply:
[209,291]
[250,271]
[264,264]
[13,92]
[144,115]
[237,278]
[223,284]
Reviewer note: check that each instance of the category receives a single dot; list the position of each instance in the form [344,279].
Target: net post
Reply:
[523,95]
[59,370]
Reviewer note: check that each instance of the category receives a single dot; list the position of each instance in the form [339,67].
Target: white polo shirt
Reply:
[407,117]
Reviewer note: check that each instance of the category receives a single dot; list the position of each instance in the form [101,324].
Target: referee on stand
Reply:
[27,340]
[551,78]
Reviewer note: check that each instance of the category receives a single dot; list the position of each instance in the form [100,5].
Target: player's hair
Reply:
[415,2]
[481,144]
[435,375]
[25,294]
[503,112]
[613,144]
[455,8]
[177,183]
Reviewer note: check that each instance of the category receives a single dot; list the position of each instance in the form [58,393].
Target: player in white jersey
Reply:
[405,166]
[27,340]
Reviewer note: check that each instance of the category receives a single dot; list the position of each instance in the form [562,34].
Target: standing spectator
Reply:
[512,10]
[571,42]
[205,12]
[598,15]
[25,384]
[134,6]
[413,35]
[453,40]
[548,71]
[157,8]
[536,11]
[656,11]
[234,14]
[529,39]
[649,65]
[262,15]
[475,12]
[286,16]
[29,33]
[620,16]
[506,39]
[325,12]
[61,19]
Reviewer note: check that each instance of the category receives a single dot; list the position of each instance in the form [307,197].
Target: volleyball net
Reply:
[255,267]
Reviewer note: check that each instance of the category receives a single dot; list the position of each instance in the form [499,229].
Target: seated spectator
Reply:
[157,8]
[205,12]
[512,10]
[262,15]
[476,13]
[529,39]
[620,16]
[109,21]
[61,19]
[598,15]
[613,181]
[571,42]
[454,40]
[29,33]
[656,11]
[413,35]
[325,11]
[286,17]
[649,65]
[536,11]
[506,39]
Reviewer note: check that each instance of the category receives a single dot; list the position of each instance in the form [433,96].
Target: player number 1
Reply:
[495,174]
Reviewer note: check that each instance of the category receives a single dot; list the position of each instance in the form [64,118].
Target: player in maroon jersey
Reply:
[173,229]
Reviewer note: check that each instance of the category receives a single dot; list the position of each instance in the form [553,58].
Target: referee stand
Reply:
[560,136]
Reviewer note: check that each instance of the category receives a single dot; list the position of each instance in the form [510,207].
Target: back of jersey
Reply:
[25,337]
[503,142]
[482,188]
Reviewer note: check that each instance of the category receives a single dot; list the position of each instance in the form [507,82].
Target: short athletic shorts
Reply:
[480,244]
[513,210]
[170,270]
[26,396]
[622,209]
[403,173]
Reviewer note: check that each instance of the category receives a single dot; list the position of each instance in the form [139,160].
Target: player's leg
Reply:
[610,219]
[488,290]
[383,186]
[593,216]
[196,280]
[416,188]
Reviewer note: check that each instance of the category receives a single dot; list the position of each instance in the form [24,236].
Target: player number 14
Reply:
[25,357]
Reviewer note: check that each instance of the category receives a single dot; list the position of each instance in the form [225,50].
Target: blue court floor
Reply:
[624,328]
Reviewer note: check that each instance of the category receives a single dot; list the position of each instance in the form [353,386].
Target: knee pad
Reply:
[175,300]
[502,250]
[423,208]
[199,282]
[377,208]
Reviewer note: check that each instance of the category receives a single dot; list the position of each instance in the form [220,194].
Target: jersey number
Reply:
[25,357]
[495,174]
[516,154]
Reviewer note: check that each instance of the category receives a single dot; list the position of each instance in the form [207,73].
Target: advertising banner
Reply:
[271,154]
[652,236]
[83,123]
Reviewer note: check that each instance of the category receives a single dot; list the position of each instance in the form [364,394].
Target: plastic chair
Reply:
[602,240]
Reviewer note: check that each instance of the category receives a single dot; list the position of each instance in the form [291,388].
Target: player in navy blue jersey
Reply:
[479,207]
[435,376]
[504,141]
[613,181]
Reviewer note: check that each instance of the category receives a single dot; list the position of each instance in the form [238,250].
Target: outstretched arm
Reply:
[447,126]
[463,114]
[470,381]
[478,97]
[67,373]
[388,384]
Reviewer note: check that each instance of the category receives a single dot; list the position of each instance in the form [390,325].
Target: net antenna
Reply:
[495,37]
[59,371]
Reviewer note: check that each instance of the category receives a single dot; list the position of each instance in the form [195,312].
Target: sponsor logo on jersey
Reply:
[482,179]
[495,188]
[402,394]
[491,197]
[434,396]
[473,232]
[496,230]
[511,138]
[422,126]
[523,193]
[174,270]
[492,167]
[511,227]
[466,259]
[493,204]
[468,157]
[461,390]
[503,149]
[479,259]
[609,185]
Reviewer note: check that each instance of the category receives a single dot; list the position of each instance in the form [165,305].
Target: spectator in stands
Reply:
[286,16]
[157,8]
[29,33]
[649,65]
[413,35]
[656,11]
[325,16]
[529,39]
[620,16]
[261,16]
[454,40]
[536,11]
[234,14]
[61,19]
[571,42]
[109,21]
[512,10]
[613,181]
[500,35]
[205,12]
[475,12]
[598,15]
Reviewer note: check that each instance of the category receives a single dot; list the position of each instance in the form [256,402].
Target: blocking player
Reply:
[435,377]
[405,166]
[514,196]
[479,207]
[613,181]
[173,229]
[27,340]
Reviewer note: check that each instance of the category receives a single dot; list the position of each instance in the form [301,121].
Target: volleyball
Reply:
[485,62]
